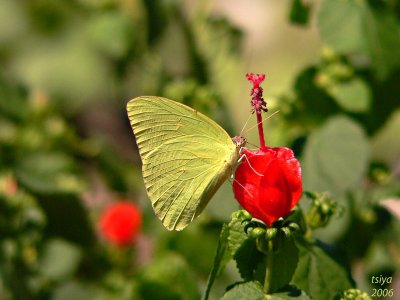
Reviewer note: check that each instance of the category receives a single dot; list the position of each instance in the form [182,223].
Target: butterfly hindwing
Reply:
[180,186]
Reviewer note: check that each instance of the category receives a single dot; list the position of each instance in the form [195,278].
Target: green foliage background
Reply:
[67,70]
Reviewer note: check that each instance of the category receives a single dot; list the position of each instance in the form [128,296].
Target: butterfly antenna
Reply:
[245,124]
[248,143]
[270,116]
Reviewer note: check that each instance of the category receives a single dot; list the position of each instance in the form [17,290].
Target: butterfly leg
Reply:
[244,156]
[242,186]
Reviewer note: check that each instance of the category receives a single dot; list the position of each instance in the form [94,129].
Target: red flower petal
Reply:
[256,79]
[274,194]
[120,223]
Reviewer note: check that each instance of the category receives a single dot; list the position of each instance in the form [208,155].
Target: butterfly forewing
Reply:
[186,157]
[156,120]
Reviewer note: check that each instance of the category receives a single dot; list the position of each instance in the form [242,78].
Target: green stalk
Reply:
[268,269]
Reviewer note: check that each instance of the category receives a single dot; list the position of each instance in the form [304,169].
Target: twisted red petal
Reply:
[277,191]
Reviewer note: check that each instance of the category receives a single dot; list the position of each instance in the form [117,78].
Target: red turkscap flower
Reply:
[277,191]
[120,223]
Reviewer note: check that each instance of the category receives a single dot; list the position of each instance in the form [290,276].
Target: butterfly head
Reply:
[239,141]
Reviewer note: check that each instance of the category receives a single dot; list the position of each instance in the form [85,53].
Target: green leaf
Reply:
[353,95]
[251,262]
[12,13]
[386,143]
[221,258]
[48,173]
[120,176]
[168,277]
[300,12]
[284,264]
[335,156]
[13,103]
[320,275]
[382,32]
[188,242]
[378,258]
[115,285]
[60,259]
[222,57]
[353,26]
[111,33]
[289,293]
[237,235]
[84,77]
[248,258]
[73,290]
[67,218]
[314,104]
[341,25]
[243,249]
[251,290]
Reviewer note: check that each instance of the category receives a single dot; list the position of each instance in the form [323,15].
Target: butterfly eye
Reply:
[239,141]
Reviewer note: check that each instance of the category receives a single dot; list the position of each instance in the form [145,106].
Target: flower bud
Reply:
[321,210]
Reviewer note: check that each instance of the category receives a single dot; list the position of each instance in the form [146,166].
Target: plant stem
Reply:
[260,129]
[269,267]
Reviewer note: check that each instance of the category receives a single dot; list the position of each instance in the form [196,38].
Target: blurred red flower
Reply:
[277,191]
[120,223]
